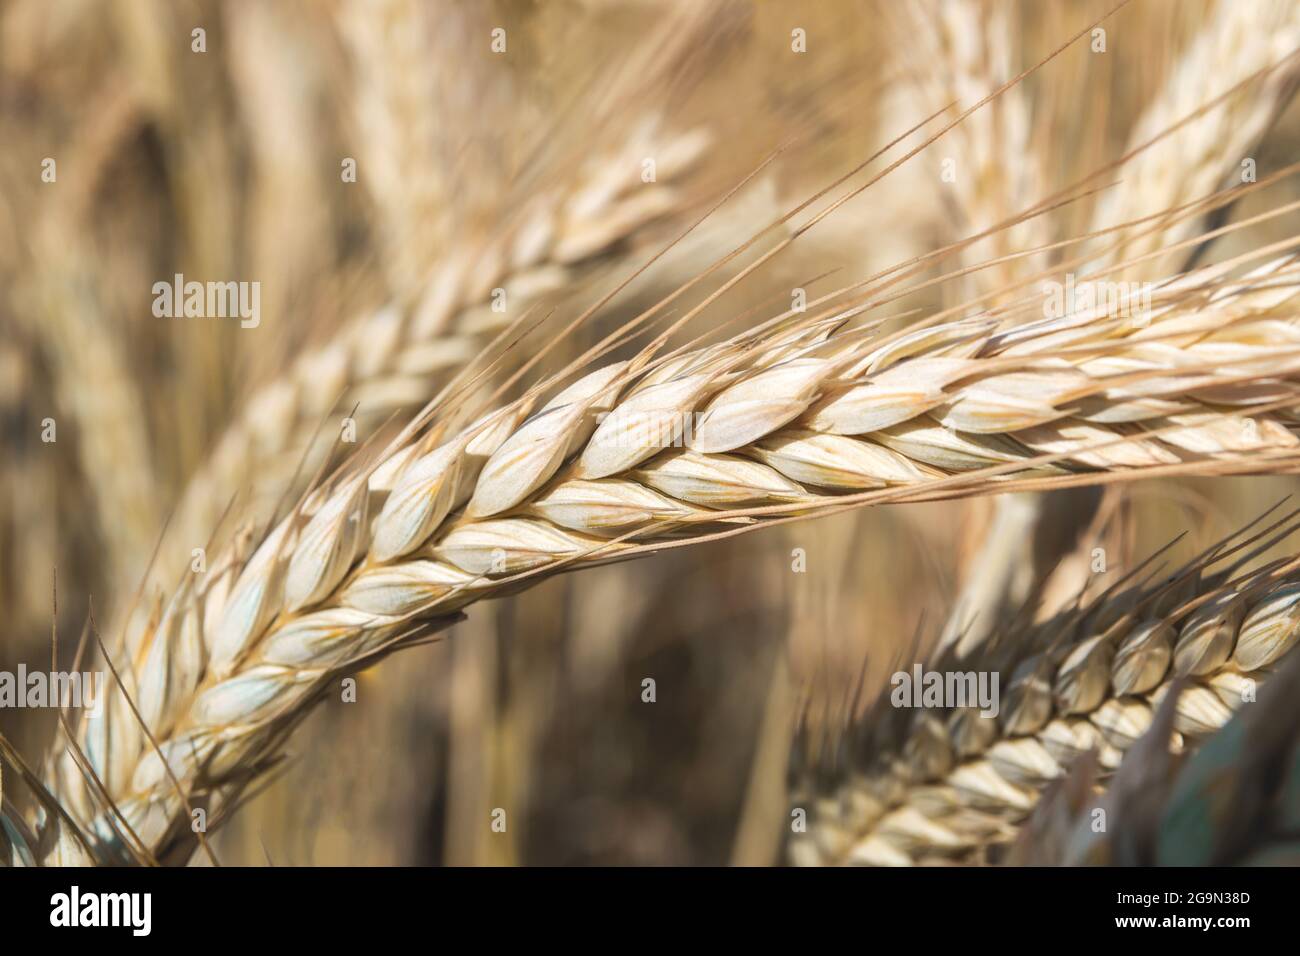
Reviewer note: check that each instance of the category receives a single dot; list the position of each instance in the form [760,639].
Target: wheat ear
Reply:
[1189,162]
[390,360]
[108,423]
[425,106]
[797,418]
[1237,41]
[580,210]
[955,784]
[962,53]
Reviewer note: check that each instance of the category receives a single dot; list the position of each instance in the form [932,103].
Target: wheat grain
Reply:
[952,784]
[234,659]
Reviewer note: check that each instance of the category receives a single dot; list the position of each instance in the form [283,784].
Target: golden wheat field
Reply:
[649,432]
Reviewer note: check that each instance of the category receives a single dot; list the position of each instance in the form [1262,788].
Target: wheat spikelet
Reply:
[953,784]
[782,421]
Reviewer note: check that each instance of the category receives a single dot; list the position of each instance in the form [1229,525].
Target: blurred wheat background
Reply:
[230,164]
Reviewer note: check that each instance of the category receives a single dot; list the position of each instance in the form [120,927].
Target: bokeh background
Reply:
[226,164]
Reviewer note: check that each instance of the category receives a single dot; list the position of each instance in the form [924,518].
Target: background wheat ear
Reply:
[1207,115]
[1231,803]
[1141,670]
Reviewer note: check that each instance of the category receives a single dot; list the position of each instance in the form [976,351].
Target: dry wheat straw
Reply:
[783,421]
[951,784]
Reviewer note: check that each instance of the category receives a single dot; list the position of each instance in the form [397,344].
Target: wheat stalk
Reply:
[952,784]
[795,419]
